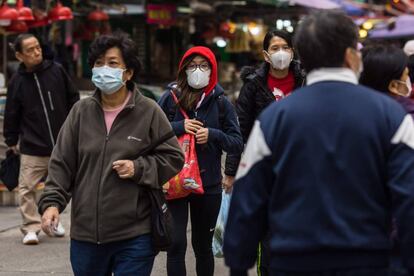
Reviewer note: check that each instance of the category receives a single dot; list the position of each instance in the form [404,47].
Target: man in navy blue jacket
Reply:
[325,169]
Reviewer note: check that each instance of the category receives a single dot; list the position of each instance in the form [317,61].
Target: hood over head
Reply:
[207,54]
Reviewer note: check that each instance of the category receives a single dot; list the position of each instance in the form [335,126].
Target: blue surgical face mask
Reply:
[107,79]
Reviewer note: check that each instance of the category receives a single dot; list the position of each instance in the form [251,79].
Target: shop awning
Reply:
[403,28]
[316,4]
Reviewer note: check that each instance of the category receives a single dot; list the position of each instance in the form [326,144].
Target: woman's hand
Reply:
[124,168]
[50,220]
[191,126]
[202,136]
[227,183]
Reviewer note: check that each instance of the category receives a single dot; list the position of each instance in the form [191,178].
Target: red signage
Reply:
[163,14]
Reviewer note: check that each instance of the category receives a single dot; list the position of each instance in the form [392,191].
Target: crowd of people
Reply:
[319,144]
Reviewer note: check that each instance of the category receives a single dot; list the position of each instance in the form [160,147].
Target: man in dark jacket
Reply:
[39,98]
[325,169]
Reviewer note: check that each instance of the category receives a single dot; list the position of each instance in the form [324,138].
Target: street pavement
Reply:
[51,256]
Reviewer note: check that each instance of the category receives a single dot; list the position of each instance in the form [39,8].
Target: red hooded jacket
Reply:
[208,54]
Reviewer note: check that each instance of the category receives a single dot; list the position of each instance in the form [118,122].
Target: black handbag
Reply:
[162,223]
[9,170]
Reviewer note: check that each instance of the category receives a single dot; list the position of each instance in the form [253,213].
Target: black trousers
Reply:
[204,210]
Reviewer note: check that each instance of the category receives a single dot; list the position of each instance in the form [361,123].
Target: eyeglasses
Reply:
[203,67]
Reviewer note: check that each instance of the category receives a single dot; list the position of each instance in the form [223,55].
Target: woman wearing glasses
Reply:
[213,122]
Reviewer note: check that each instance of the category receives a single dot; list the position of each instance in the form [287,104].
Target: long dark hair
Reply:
[188,96]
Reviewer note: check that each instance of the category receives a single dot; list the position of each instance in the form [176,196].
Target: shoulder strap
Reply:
[178,104]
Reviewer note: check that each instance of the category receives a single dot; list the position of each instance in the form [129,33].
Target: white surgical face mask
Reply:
[280,60]
[407,92]
[198,79]
[107,79]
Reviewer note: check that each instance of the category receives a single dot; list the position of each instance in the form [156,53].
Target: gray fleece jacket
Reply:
[106,208]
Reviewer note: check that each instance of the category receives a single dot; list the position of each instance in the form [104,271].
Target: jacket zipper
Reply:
[99,190]
[44,109]
[102,166]
[50,101]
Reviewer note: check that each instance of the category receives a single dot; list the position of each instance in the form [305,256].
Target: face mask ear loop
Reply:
[122,77]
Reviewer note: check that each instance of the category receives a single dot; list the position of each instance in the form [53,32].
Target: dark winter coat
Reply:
[254,97]
[106,208]
[36,107]
[223,136]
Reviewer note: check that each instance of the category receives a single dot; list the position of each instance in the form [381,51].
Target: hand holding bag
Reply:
[189,179]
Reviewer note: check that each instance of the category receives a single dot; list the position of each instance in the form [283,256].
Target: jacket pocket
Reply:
[50,100]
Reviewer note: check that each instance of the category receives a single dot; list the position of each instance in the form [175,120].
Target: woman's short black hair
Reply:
[382,64]
[18,42]
[279,33]
[121,41]
[322,39]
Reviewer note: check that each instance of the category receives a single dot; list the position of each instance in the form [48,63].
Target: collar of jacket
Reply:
[45,64]
[136,94]
[332,74]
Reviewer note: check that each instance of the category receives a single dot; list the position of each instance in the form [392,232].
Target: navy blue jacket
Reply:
[323,171]
[221,138]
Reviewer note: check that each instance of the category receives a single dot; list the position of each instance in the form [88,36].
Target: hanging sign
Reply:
[163,14]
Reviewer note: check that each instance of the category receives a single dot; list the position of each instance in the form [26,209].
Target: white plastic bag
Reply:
[218,237]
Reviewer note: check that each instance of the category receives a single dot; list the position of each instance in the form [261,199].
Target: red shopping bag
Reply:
[188,180]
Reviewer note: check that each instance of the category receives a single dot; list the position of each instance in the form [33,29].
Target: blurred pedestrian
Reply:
[95,164]
[386,70]
[39,97]
[325,169]
[214,123]
[273,80]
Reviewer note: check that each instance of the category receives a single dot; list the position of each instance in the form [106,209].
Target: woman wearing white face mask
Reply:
[385,70]
[95,164]
[213,122]
[272,81]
